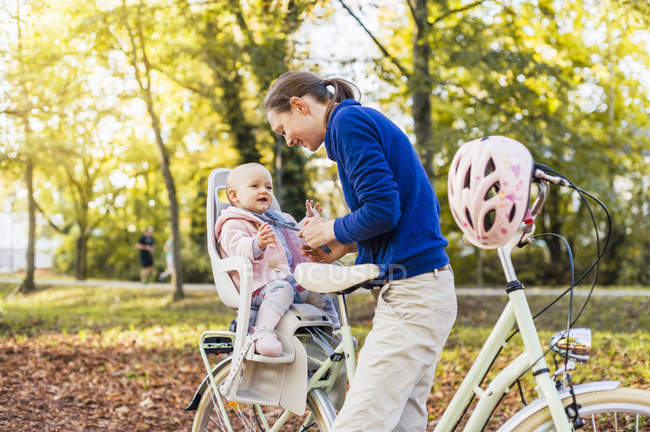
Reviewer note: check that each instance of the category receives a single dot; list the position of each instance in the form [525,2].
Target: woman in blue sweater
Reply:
[394,222]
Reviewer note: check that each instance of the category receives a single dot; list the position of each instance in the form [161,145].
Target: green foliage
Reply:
[210,65]
[557,77]
[566,79]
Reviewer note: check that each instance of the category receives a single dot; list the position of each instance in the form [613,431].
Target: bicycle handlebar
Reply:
[540,178]
[539,174]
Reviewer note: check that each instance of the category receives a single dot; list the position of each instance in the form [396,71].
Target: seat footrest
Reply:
[217,345]
[287,356]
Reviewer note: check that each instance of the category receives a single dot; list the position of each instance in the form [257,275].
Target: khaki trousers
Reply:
[397,363]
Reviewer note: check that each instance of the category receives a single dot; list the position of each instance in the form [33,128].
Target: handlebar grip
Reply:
[542,175]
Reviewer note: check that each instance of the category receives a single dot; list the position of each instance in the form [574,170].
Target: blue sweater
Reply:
[395,215]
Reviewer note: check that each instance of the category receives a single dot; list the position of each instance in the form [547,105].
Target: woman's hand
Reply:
[265,236]
[320,256]
[317,231]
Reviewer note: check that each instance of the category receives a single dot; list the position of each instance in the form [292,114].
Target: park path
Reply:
[581,292]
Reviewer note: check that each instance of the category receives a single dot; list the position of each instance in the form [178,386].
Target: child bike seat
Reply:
[330,278]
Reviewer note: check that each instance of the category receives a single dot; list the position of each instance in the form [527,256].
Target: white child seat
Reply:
[263,380]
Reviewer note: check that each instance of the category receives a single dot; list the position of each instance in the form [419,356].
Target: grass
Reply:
[620,325]
[110,311]
[129,339]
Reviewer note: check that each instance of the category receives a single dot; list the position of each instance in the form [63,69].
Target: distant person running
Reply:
[146,246]
[169,259]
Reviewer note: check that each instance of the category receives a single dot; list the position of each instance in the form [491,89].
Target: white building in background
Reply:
[13,243]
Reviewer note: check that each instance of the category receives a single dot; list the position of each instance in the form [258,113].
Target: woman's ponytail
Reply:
[343,89]
[299,84]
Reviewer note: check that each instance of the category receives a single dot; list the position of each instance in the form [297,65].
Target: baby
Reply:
[270,240]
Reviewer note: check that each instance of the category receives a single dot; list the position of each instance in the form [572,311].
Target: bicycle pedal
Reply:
[217,345]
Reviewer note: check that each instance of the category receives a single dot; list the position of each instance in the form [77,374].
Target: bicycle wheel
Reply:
[622,409]
[242,417]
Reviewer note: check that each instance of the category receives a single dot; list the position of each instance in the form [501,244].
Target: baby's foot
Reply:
[268,343]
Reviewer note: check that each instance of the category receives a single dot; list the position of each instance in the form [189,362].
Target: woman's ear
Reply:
[299,104]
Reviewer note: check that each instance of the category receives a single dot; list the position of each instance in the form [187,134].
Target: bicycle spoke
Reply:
[220,419]
[246,422]
[216,413]
[593,423]
[261,415]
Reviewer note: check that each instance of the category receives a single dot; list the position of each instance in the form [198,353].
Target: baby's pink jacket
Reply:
[236,230]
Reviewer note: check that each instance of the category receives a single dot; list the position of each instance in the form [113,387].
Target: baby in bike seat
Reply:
[270,241]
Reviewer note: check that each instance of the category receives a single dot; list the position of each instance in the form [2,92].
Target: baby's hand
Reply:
[312,210]
[265,236]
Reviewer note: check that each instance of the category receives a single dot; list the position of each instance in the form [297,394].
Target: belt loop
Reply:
[435,273]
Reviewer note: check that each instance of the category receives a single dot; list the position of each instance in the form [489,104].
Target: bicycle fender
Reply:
[194,403]
[539,404]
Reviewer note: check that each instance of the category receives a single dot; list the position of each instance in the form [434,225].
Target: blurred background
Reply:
[113,113]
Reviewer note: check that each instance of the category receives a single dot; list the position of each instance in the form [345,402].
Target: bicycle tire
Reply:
[245,417]
[622,409]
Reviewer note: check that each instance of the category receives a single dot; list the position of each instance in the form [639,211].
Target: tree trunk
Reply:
[609,272]
[171,194]
[28,284]
[242,130]
[420,83]
[277,161]
[269,62]
[555,272]
[81,256]
[163,154]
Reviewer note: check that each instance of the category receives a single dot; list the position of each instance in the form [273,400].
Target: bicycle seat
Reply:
[329,278]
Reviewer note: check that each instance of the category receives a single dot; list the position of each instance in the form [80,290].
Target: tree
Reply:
[236,53]
[143,71]
[517,70]
[129,30]
[25,80]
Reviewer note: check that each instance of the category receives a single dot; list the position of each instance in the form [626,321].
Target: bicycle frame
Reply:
[516,311]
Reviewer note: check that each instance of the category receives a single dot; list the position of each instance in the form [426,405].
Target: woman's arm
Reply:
[361,156]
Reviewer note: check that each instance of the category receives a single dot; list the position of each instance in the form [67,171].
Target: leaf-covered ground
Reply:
[93,359]
[68,383]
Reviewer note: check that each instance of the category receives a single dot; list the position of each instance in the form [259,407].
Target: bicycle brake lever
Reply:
[527,229]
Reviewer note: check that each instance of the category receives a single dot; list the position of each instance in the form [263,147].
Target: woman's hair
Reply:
[299,84]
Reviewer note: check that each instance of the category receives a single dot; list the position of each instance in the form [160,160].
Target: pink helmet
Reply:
[489,188]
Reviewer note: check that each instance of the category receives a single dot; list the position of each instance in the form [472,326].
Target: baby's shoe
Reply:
[267,344]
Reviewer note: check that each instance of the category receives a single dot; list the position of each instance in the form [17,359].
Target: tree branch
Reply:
[411,7]
[64,230]
[15,113]
[204,92]
[374,39]
[453,11]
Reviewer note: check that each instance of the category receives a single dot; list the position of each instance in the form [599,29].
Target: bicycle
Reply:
[561,406]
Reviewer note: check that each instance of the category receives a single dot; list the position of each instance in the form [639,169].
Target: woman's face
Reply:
[302,125]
